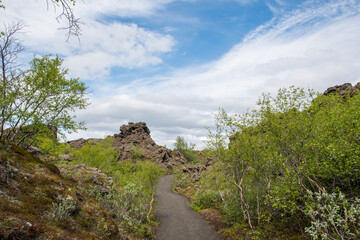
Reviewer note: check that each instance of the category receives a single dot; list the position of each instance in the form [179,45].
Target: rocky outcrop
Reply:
[4,172]
[134,142]
[79,143]
[344,89]
[195,171]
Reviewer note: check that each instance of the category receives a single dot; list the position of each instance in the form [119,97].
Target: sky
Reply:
[174,63]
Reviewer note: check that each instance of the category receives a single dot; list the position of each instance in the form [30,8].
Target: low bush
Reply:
[180,180]
[132,198]
[332,216]
[51,146]
[62,209]
[100,155]
[186,149]
[137,153]
[206,199]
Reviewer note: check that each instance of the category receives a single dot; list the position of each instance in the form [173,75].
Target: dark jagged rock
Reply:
[95,176]
[343,89]
[134,141]
[139,129]
[5,173]
[79,143]
[195,171]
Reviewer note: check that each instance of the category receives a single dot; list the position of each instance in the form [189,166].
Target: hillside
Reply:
[85,189]
[284,165]
[39,200]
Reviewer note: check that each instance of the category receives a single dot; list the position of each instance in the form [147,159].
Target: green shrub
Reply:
[293,142]
[231,207]
[332,216]
[100,155]
[137,153]
[51,146]
[186,149]
[62,209]
[180,180]
[133,203]
[206,199]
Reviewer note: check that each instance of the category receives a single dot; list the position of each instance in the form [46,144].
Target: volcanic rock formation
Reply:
[344,89]
[134,142]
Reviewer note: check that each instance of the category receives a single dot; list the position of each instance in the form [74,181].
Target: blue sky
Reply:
[203,30]
[173,63]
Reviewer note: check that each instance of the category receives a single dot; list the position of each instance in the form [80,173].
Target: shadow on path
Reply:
[178,221]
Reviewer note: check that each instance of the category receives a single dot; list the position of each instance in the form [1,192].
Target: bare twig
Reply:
[151,207]
[73,23]
[10,48]
[244,203]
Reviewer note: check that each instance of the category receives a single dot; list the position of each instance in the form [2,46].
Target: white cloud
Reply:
[274,9]
[117,45]
[315,47]
[103,45]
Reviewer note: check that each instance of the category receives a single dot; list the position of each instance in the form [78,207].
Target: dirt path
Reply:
[178,221]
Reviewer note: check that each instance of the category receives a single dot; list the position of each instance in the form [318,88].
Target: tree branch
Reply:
[73,23]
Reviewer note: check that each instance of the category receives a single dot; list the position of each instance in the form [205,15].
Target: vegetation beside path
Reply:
[289,169]
[89,196]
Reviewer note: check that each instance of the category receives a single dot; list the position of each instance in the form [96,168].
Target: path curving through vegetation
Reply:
[178,221]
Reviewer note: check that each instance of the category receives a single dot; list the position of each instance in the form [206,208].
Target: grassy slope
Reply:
[38,200]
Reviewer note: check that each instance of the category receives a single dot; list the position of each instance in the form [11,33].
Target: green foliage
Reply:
[295,142]
[104,157]
[101,155]
[40,98]
[180,180]
[137,153]
[206,198]
[333,216]
[51,146]
[334,150]
[187,149]
[132,205]
[104,229]
[130,208]
[62,209]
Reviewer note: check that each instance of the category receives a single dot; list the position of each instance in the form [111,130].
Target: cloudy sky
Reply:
[173,63]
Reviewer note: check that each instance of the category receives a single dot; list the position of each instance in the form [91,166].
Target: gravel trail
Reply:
[178,221]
